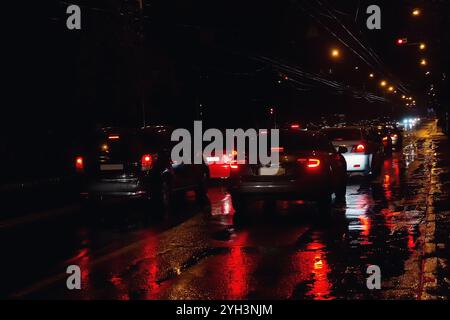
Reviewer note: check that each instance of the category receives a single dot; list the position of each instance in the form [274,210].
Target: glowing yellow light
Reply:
[335,53]
[383,83]
[422,46]
[416,12]
[423,62]
[371,75]
[391,88]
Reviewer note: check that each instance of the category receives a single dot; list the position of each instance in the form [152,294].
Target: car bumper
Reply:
[101,189]
[219,171]
[281,190]
[357,162]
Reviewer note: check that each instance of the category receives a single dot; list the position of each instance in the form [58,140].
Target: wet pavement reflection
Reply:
[286,252]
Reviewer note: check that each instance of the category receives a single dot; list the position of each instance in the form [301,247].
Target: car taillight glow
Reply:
[310,163]
[79,163]
[360,148]
[146,162]
[313,163]
[277,149]
[234,164]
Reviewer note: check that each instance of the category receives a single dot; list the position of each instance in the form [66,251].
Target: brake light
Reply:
[313,163]
[360,148]
[277,149]
[79,163]
[234,164]
[146,162]
[310,163]
[385,138]
[295,126]
[114,137]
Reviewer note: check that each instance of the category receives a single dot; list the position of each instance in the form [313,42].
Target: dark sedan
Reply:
[309,168]
[136,164]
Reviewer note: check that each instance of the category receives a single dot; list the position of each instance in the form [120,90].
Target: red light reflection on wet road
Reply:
[236,269]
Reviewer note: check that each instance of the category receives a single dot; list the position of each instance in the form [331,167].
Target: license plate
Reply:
[271,171]
[111,167]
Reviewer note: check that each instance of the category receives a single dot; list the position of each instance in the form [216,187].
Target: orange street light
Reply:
[416,12]
[383,83]
[335,53]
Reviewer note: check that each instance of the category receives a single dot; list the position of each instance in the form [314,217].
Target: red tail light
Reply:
[234,164]
[310,163]
[146,162]
[313,163]
[79,163]
[277,149]
[360,148]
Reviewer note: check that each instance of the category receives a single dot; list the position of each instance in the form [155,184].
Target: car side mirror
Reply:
[342,149]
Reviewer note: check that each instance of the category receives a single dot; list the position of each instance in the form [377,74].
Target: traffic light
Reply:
[402,41]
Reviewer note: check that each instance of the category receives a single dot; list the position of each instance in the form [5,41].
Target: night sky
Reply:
[225,62]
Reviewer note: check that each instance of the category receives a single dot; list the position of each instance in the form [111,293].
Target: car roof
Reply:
[342,128]
[156,129]
[303,133]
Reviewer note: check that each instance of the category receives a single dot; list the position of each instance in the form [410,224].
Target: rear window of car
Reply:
[303,142]
[343,134]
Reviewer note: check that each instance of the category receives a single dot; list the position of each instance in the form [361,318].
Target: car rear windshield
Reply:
[117,145]
[303,142]
[343,134]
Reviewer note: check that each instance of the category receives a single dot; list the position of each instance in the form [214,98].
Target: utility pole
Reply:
[142,64]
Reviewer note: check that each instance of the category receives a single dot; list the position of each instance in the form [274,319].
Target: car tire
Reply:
[324,205]
[162,203]
[342,190]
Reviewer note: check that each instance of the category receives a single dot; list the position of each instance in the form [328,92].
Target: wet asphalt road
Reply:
[285,252]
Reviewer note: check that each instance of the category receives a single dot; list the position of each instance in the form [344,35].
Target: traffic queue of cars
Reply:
[313,165]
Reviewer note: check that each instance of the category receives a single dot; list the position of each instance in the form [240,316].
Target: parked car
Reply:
[365,152]
[309,169]
[136,164]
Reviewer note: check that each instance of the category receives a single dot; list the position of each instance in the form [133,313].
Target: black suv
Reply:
[309,168]
[124,163]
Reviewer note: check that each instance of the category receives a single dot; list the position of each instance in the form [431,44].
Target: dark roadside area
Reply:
[437,247]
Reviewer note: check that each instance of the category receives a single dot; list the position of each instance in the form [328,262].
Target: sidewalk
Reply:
[435,272]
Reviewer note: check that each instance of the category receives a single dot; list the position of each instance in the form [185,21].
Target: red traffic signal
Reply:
[402,41]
